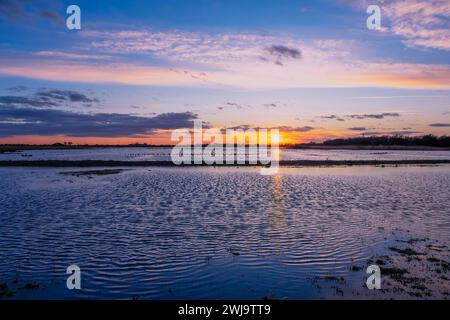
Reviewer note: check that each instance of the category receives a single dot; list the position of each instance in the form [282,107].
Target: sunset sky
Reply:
[138,69]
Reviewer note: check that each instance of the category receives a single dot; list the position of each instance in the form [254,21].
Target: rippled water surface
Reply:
[176,233]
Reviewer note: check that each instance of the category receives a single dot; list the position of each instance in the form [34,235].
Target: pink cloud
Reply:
[217,60]
[69,55]
[257,74]
[422,23]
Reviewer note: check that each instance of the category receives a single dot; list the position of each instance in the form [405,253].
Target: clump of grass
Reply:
[233,251]
[407,251]
[357,268]
[444,264]
[380,260]
[333,278]
[393,272]
[5,291]
[31,285]
[412,240]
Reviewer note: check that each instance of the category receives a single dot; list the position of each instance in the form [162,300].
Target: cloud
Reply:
[29,11]
[87,72]
[282,128]
[282,52]
[18,89]
[46,99]
[271,105]
[375,133]
[332,117]
[196,47]
[239,106]
[66,55]
[372,133]
[373,116]
[294,129]
[391,97]
[235,105]
[53,16]
[11,9]
[401,133]
[358,129]
[176,58]
[66,95]
[440,125]
[362,116]
[421,23]
[244,74]
[47,122]
[28,102]
[221,50]
[240,127]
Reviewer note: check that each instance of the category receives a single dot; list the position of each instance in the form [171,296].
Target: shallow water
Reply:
[193,233]
[163,154]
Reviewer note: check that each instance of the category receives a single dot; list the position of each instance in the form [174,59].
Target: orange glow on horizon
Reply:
[164,138]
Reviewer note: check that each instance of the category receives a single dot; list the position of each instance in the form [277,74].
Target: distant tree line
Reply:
[427,140]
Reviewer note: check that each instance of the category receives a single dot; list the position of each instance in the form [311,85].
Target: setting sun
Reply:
[276,138]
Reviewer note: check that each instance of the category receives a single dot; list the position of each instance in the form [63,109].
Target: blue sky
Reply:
[311,67]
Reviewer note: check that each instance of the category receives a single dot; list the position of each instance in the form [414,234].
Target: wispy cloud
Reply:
[371,133]
[358,129]
[18,89]
[294,129]
[52,16]
[217,50]
[11,9]
[281,128]
[86,72]
[403,133]
[70,55]
[394,97]
[373,116]
[47,99]
[245,75]
[220,60]
[27,101]
[440,125]
[361,116]
[332,117]
[65,95]
[234,105]
[421,23]
[240,106]
[29,11]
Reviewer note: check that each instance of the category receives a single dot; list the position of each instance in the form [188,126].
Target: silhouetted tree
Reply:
[398,140]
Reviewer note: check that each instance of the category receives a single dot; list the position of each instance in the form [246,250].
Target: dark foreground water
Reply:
[194,233]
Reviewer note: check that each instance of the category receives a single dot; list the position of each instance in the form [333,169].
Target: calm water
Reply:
[163,154]
[177,233]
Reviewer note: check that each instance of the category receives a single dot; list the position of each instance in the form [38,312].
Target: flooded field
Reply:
[163,154]
[225,233]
